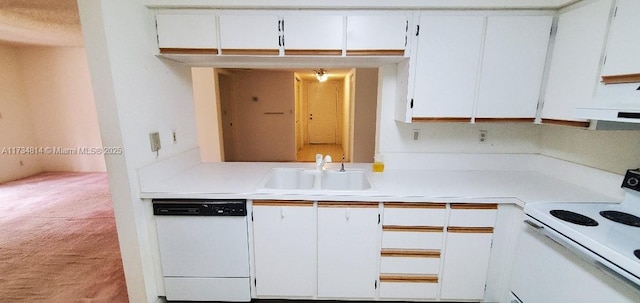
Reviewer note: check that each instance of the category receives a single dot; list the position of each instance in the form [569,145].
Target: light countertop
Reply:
[241,180]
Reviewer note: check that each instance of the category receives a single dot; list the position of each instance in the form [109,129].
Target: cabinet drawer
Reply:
[408,290]
[473,215]
[409,265]
[414,214]
[411,240]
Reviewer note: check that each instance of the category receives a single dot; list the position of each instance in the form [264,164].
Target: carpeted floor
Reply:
[58,241]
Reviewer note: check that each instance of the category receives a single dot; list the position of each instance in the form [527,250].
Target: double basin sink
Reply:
[313,180]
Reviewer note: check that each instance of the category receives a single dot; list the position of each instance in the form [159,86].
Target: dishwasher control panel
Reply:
[199,207]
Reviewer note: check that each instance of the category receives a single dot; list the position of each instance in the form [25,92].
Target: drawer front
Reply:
[473,217]
[414,216]
[408,290]
[409,265]
[412,240]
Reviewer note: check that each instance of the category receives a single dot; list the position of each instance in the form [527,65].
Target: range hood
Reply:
[617,100]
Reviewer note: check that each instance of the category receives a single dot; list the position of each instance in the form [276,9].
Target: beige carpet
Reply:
[58,241]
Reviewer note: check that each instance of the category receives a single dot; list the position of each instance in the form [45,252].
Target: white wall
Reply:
[206,110]
[136,93]
[63,113]
[15,120]
[613,151]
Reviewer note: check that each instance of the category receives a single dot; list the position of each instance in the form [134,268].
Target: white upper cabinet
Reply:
[187,30]
[576,58]
[623,48]
[515,51]
[250,34]
[313,34]
[447,63]
[377,34]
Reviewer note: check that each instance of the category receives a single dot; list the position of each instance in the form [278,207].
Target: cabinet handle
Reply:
[282,212]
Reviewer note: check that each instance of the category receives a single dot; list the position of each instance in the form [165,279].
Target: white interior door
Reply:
[322,104]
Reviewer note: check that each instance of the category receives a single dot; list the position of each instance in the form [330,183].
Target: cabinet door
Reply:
[467,251]
[376,35]
[447,66]
[250,34]
[187,31]
[575,61]
[513,62]
[313,34]
[623,48]
[284,248]
[466,262]
[348,250]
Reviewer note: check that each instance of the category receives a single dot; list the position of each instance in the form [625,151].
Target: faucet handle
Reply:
[318,159]
[327,159]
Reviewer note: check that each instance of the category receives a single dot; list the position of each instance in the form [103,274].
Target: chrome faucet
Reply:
[342,164]
[320,162]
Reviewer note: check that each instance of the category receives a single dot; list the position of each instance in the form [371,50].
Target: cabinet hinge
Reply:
[251,216]
[411,106]
[378,218]
[255,282]
[417,30]
[375,284]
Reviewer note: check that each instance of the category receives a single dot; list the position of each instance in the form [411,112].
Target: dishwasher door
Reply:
[204,255]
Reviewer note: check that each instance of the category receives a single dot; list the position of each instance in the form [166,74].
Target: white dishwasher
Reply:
[204,249]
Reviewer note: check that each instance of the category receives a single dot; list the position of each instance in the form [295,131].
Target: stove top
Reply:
[573,217]
[621,217]
[616,242]
[611,231]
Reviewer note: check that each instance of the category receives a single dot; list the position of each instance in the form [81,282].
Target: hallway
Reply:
[309,151]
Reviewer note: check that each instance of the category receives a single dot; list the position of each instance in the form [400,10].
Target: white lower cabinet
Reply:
[284,243]
[467,251]
[350,250]
[412,237]
[348,247]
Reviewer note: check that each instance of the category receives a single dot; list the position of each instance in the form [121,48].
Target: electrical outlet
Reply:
[416,134]
[483,136]
[155,141]
[174,137]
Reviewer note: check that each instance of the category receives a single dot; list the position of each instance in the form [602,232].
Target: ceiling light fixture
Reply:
[321,74]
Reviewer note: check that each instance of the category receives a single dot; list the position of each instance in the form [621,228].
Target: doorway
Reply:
[323,117]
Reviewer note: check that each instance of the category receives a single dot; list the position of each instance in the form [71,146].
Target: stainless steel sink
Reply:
[311,180]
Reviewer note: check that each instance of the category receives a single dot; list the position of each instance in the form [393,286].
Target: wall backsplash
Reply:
[613,151]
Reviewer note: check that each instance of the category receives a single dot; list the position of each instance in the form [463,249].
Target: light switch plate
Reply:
[155,141]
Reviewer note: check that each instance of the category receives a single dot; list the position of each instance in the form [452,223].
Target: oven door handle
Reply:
[584,255]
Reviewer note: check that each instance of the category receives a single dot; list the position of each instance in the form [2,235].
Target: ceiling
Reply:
[57,22]
[40,22]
